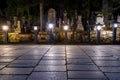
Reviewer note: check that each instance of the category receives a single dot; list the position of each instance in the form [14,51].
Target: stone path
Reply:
[59,62]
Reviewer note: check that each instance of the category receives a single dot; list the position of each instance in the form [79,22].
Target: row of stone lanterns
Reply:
[98,30]
[65,28]
[50,26]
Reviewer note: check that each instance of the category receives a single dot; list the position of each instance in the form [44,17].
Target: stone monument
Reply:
[15,21]
[79,23]
[51,16]
[23,27]
[18,29]
[9,24]
[65,19]
[60,23]
[118,20]
[100,19]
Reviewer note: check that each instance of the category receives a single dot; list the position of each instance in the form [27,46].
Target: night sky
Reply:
[2,4]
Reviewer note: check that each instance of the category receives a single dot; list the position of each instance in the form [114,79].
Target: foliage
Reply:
[19,7]
[57,30]
[104,13]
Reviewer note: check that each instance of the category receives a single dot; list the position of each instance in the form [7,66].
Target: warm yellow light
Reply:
[103,26]
[5,27]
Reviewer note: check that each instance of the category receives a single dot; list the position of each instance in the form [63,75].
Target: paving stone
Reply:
[110,69]
[16,71]
[23,63]
[52,62]
[77,57]
[6,60]
[108,63]
[104,58]
[2,66]
[113,76]
[48,76]
[80,61]
[86,74]
[75,51]
[54,54]
[12,54]
[63,52]
[99,55]
[4,63]
[30,57]
[34,54]
[82,67]
[50,68]
[8,57]
[13,77]
[53,58]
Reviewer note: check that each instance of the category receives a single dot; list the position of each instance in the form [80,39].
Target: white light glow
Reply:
[50,26]
[115,25]
[5,27]
[65,27]
[98,27]
[35,28]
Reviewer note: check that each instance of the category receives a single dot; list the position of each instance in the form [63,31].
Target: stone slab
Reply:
[82,68]
[48,76]
[13,77]
[15,71]
[50,68]
[86,74]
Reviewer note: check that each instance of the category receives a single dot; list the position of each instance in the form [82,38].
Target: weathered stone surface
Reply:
[85,74]
[82,67]
[59,62]
[50,68]
[22,71]
[48,76]
[13,77]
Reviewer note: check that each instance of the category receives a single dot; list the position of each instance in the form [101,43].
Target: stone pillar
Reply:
[52,15]
[18,29]
[9,24]
[23,27]
[65,19]
[79,23]
[105,9]
[60,24]
[41,16]
[15,21]
[118,20]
